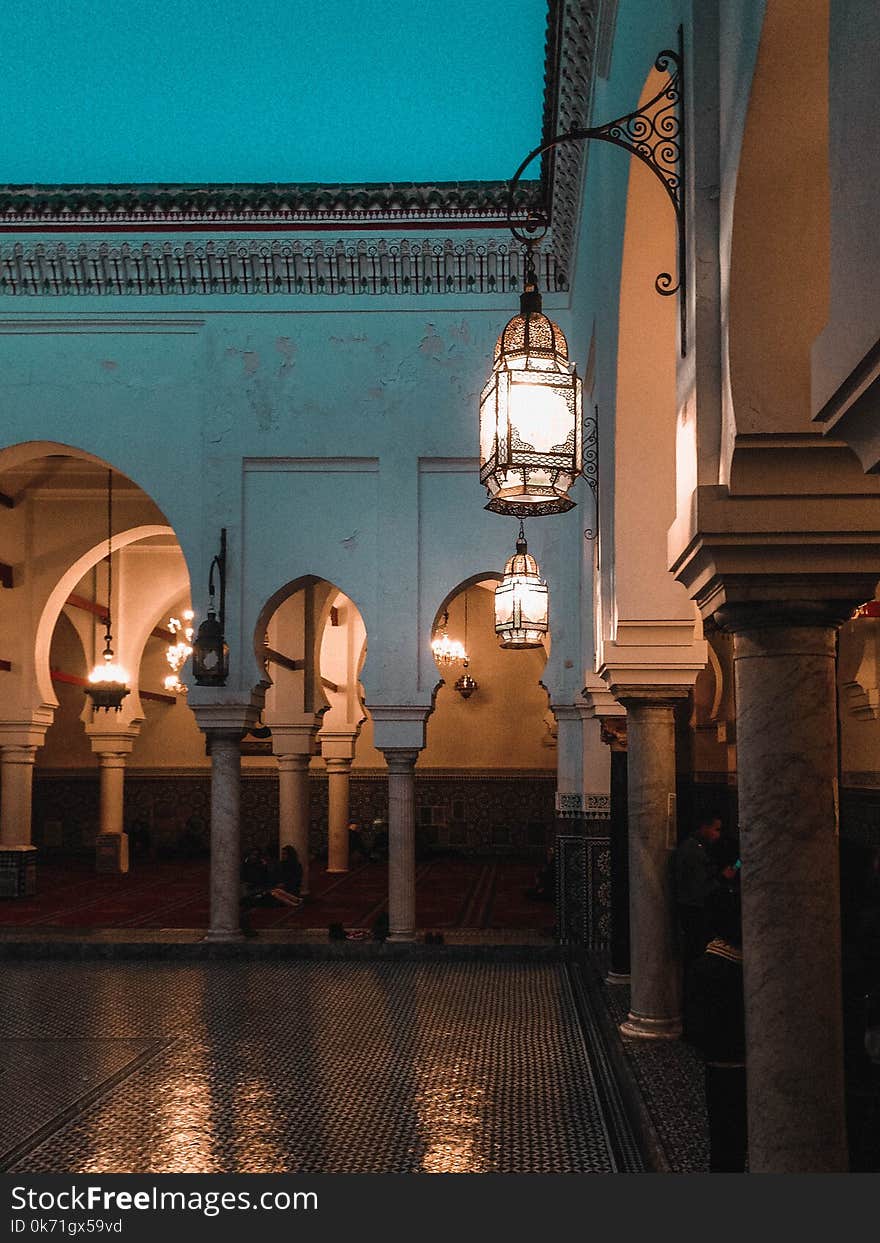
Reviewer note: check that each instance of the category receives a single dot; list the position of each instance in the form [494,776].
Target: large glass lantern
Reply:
[522,601]
[531,448]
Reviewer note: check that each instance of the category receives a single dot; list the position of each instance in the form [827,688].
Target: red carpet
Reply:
[450,893]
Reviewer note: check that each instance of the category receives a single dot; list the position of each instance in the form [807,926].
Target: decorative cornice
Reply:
[287,207]
[268,267]
[216,265]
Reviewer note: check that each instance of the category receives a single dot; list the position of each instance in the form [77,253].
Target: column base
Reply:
[651,1029]
[616,977]
[111,852]
[338,871]
[224,934]
[401,937]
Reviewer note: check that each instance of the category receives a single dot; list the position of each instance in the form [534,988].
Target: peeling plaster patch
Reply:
[251,360]
[377,392]
[108,364]
[349,542]
[461,333]
[287,349]
[432,344]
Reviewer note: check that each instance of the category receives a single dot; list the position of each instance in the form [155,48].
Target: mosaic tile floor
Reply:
[302,1067]
[669,1074]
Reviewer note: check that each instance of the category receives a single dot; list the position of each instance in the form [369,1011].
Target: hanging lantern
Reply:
[210,653]
[531,439]
[447,651]
[107,686]
[466,685]
[522,601]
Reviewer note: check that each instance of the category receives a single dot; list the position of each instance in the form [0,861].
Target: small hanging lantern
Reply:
[531,438]
[108,681]
[466,685]
[210,653]
[522,601]
[446,651]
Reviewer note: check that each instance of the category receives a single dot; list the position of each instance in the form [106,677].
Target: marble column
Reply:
[655,965]
[225,835]
[16,788]
[338,779]
[112,840]
[784,662]
[614,735]
[112,745]
[401,844]
[293,810]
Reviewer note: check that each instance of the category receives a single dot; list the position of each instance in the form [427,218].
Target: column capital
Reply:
[22,734]
[338,763]
[736,618]
[634,698]
[226,716]
[400,760]
[293,761]
[119,741]
[297,738]
[399,725]
[15,753]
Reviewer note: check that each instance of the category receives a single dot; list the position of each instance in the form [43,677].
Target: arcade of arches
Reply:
[717,646]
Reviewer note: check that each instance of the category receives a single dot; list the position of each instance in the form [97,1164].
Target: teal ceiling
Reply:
[97,91]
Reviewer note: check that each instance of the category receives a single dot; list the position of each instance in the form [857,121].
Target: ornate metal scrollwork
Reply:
[655,135]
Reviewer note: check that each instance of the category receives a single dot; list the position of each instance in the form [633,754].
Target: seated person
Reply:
[289,879]
[255,883]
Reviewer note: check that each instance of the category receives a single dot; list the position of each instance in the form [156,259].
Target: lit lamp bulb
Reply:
[178,653]
[108,683]
[447,651]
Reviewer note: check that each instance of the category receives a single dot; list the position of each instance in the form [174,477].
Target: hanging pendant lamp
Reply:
[522,601]
[466,685]
[531,437]
[108,681]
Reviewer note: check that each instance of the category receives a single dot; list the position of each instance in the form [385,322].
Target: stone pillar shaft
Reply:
[787,758]
[16,791]
[655,967]
[620,949]
[225,835]
[293,810]
[338,785]
[401,845]
[112,768]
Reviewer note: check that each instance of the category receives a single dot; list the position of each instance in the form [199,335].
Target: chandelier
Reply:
[447,651]
[522,601]
[108,681]
[178,653]
[531,437]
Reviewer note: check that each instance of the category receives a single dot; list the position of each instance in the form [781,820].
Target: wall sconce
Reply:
[210,654]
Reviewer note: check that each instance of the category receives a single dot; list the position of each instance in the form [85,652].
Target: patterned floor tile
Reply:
[320,1067]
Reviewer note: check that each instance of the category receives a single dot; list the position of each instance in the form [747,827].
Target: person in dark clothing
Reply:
[696,880]
[289,879]
[715,1024]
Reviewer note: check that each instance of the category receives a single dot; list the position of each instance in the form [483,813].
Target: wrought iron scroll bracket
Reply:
[220,562]
[655,135]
